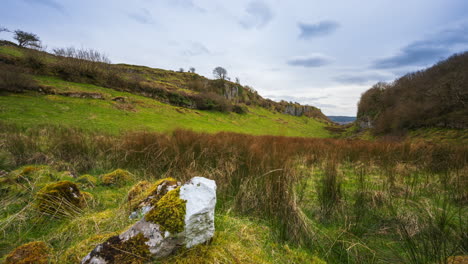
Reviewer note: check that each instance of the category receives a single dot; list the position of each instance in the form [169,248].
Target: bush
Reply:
[13,80]
[240,109]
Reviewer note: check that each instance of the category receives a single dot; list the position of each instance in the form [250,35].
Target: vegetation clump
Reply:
[31,253]
[59,199]
[87,181]
[169,212]
[118,177]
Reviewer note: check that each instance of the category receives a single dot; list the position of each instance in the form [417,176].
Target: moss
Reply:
[30,253]
[132,251]
[156,192]
[87,181]
[138,190]
[59,199]
[118,177]
[169,212]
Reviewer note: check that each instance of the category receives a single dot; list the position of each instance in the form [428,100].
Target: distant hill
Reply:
[436,97]
[342,119]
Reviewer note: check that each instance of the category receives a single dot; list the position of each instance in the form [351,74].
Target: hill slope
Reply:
[435,97]
[40,88]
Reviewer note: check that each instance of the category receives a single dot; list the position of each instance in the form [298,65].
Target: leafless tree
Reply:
[192,70]
[220,73]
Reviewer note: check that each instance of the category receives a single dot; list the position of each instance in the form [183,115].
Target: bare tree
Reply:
[192,70]
[4,29]
[220,73]
[82,54]
[237,80]
[181,69]
[26,39]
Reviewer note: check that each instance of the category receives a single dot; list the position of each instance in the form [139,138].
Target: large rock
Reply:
[172,216]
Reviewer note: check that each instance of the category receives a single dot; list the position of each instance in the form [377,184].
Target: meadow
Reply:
[280,199]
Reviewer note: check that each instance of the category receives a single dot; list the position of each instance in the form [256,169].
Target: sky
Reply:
[324,53]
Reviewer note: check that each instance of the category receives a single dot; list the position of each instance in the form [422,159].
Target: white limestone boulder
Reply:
[148,239]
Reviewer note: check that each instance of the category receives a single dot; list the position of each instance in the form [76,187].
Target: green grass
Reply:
[31,109]
[237,238]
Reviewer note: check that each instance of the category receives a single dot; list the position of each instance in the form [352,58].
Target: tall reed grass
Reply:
[258,176]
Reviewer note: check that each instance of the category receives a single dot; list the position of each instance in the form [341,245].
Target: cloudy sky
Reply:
[320,52]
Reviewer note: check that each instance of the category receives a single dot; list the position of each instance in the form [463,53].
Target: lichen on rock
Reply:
[169,212]
[118,177]
[31,253]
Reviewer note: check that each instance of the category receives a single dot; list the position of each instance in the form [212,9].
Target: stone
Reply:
[172,216]
[200,194]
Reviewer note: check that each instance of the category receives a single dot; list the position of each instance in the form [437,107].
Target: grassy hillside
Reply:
[49,99]
[141,113]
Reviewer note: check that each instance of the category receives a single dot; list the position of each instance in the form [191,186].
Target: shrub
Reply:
[13,80]
[118,177]
[240,109]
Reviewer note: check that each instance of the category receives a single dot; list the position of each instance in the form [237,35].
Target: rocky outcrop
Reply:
[172,216]
[365,122]
[230,92]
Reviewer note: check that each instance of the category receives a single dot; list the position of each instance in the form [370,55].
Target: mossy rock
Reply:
[132,251]
[118,177]
[59,199]
[155,192]
[30,253]
[87,181]
[138,190]
[160,188]
[169,212]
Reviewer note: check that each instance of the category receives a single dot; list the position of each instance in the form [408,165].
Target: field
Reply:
[280,199]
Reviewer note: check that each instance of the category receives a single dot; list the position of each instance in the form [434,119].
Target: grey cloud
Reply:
[258,14]
[196,49]
[316,60]
[314,101]
[427,51]
[142,17]
[361,78]
[303,99]
[319,29]
[49,3]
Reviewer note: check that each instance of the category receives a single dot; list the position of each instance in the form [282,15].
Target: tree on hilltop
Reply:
[26,39]
[220,73]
